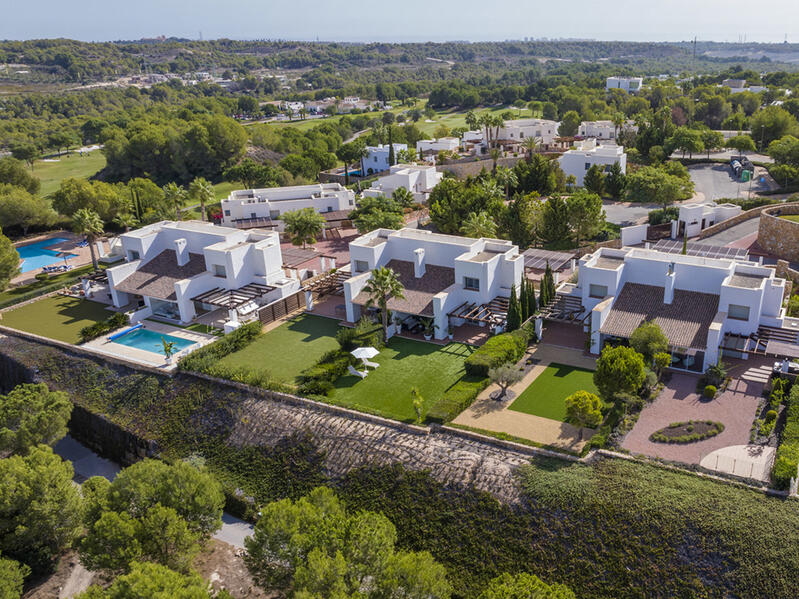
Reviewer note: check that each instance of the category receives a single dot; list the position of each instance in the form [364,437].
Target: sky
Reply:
[402,21]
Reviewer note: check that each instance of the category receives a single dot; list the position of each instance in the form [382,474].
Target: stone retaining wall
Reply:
[731,222]
[779,236]
[473,167]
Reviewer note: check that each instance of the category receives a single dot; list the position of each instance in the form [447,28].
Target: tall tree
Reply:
[382,286]
[648,339]
[514,317]
[619,370]
[586,216]
[202,192]
[9,261]
[13,172]
[712,140]
[151,581]
[176,196]
[349,153]
[479,225]
[583,409]
[30,415]
[88,223]
[18,208]
[304,225]
[615,182]
[556,219]
[569,124]
[506,178]
[594,180]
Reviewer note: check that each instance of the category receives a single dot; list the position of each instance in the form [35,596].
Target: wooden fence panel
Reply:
[282,307]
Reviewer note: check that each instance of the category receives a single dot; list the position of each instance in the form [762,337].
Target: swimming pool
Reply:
[150,341]
[35,255]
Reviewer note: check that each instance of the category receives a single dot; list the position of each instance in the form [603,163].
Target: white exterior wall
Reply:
[520,129]
[445,144]
[419,180]
[272,202]
[628,84]
[603,129]
[711,213]
[376,159]
[577,162]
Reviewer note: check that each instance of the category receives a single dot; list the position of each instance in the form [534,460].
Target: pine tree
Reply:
[513,320]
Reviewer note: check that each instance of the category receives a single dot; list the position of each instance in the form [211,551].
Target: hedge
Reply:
[98,329]
[456,399]
[206,358]
[787,460]
[498,350]
[319,378]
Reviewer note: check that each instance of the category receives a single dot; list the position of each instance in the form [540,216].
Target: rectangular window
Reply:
[134,255]
[252,214]
[587,165]
[227,212]
[219,270]
[737,312]
[471,283]
[597,290]
[361,266]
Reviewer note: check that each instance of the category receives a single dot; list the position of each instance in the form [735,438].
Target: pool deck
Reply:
[132,354]
[82,254]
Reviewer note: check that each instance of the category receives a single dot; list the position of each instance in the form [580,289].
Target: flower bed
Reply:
[687,432]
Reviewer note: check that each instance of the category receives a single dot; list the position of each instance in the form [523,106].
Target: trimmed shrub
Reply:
[498,350]
[319,378]
[689,433]
[98,329]
[206,358]
[709,391]
[787,459]
[455,400]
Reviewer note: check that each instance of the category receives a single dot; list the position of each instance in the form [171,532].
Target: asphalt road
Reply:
[86,464]
[733,233]
[625,213]
[715,181]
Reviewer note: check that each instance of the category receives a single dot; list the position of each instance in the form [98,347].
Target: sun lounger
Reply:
[357,373]
[370,364]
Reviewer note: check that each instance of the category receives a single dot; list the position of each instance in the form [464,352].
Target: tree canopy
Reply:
[619,370]
[30,415]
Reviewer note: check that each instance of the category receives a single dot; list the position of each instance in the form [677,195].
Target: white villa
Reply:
[418,179]
[604,129]
[695,217]
[179,270]
[518,130]
[452,280]
[701,304]
[628,84]
[246,208]
[376,159]
[434,146]
[587,153]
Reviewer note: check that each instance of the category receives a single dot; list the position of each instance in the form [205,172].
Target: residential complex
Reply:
[700,303]
[443,275]
[695,217]
[543,130]
[419,180]
[587,153]
[425,147]
[628,84]
[604,129]
[246,208]
[377,158]
[178,270]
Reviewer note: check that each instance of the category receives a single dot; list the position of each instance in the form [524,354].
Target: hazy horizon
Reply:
[412,21]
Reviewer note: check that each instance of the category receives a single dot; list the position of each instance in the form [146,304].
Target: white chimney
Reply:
[182,252]
[418,263]
[668,288]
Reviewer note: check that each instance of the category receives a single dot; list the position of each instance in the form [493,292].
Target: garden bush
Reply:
[498,350]
[708,429]
[206,358]
[98,329]
[787,459]
[456,399]
[319,378]
[709,391]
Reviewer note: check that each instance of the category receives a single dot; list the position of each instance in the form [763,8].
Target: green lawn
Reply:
[793,217]
[68,165]
[65,279]
[290,348]
[544,397]
[404,364]
[56,317]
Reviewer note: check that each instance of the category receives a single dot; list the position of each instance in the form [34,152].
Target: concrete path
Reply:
[747,461]
[86,464]
[733,234]
[492,415]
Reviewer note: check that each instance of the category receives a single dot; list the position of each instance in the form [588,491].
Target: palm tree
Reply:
[530,144]
[618,123]
[471,120]
[506,178]
[126,220]
[498,122]
[495,154]
[87,222]
[479,225]
[175,195]
[201,191]
[304,225]
[383,285]
[485,120]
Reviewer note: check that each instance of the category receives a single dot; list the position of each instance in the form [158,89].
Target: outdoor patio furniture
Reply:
[357,373]
[370,364]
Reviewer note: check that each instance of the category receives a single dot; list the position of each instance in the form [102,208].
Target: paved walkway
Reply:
[82,255]
[747,461]
[492,415]
[735,408]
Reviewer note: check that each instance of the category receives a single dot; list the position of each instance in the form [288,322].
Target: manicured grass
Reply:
[544,397]
[56,317]
[793,217]
[289,349]
[65,279]
[68,165]
[404,364]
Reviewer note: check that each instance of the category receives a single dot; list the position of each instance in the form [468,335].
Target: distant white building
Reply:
[604,129]
[294,107]
[629,84]
[434,146]
[244,208]
[376,159]
[698,216]
[587,153]
[419,180]
[441,275]
[177,270]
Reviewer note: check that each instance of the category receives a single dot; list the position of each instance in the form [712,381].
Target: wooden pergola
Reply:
[233,298]
[98,276]
[564,307]
[494,313]
[329,283]
[767,341]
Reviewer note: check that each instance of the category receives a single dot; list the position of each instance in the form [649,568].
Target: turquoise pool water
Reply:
[35,256]
[151,341]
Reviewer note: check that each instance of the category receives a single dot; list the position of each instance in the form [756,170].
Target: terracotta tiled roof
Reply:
[157,277]
[418,292]
[684,322]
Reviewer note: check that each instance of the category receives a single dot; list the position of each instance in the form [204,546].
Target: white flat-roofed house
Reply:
[418,179]
[604,129]
[168,265]
[445,276]
[426,147]
[246,208]
[376,159]
[471,140]
[628,84]
[587,153]
[695,217]
[698,302]
[516,131]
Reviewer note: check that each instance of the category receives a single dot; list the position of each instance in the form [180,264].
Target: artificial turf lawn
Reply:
[289,349]
[546,394]
[56,317]
[404,364]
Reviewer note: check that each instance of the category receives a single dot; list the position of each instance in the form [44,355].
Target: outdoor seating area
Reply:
[57,268]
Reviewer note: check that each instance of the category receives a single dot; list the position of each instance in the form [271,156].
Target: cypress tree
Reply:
[542,292]
[523,303]
[514,317]
[391,158]
[532,308]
